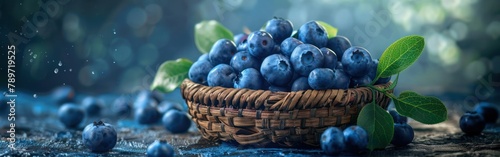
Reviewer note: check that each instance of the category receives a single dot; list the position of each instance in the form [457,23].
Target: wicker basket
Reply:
[260,117]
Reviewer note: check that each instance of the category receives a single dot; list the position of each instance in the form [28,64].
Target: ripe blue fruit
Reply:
[221,75]
[99,137]
[305,58]
[300,84]
[360,81]
[146,98]
[288,45]
[176,121]
[472,123]
[356,139]
[355,61]
[339,66]
[488,111]
[222,51]
[372,68]
[339,44]
[383,80]
[321,78]
[160,148]
[243,60]
[277,70]
[147,115]
[198,72]
[330,58]
[332,141]
[71,115]
[203,57]
[397,117]
[249,78]
[403,134]
[313,33]
[260,44]
[341,79]
[63,94]
[122,106]
[279,28]
[92,105]
[240,38]
[166,106]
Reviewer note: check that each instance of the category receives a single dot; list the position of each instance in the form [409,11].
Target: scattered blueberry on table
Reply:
[160,148]
[99,136]
[71,115]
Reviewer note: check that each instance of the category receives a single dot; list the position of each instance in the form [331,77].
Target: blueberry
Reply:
[221,75]
[147,115]
[222,51]
[288,45]
[332,141]
[176,121]
[240,38]
[305,58]
[99,136]
[372,68]
[203,57]
[145,99]
[383,80]
[403,134]
[63,94]
[198,72]
[341,79]
[279,28]
[166,106]
[360,81]
[330,58]
[339,44]
[279,88]
[249,78]
[243,60]
[277,70]
[242,47]
[300,84]
[488,111]
[356,139]
[313,33]
[355,61]
[122,106]
[397,117]
[260,44]
[321,78]
[160,148]
[472,123]
[92,105]
[71,115]
[339,66]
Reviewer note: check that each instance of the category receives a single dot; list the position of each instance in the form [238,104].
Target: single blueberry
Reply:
[277,70]
[176,121]
[222,51]
[360,81]
[341,79]
[300,84]
[279,88]
[145,98]
[403,134]
[383,80]
[240,38]
[355,61]
[63,94]
[472,123]
[160,148]
[166,106]
[330,58]
[122,106]
[332,141]
[488,111]
[71,115]
[249,78]
[356,139]
[243,60]
[339,44]
[203,57]
[313,33]
[279,28]
[260,44]
[288,45]
[305,58]
[92,105]
[221,75]
[321,78]
[397,117]
[198,72]
[147,115]
[99,137]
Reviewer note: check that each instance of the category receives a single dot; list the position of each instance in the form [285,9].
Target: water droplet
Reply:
[29,50]
[115,49]
[87,60]
[92,72]
[56,71]
[114,31]
[70,70]
[64,70]
[64,83]
[60,63]
[114,62]
[67,54]
[31,53]
[31,60]
[35,96]
[34,56]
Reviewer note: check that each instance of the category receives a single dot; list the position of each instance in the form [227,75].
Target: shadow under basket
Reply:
[262,117]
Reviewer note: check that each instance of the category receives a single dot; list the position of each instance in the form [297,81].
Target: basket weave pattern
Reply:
[285,118]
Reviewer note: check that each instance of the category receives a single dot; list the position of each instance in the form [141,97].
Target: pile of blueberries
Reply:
[354,139]
[474,122]
[278,60]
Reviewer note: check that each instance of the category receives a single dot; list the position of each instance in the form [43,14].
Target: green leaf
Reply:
[171,74]
[399,56]
[378,124]
[206,33]
[332,31]
[425,109]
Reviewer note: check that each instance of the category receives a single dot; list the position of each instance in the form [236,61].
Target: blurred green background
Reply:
[116,46]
